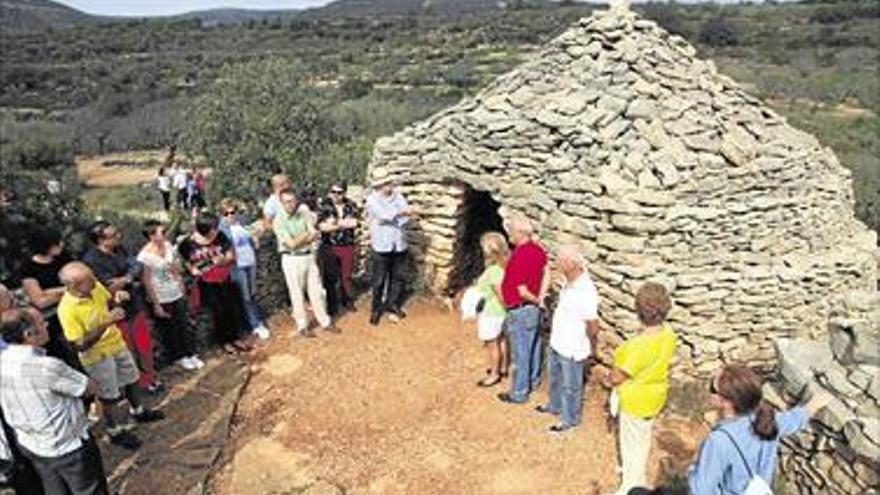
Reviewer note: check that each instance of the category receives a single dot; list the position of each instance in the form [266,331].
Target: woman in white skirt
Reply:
[490,312]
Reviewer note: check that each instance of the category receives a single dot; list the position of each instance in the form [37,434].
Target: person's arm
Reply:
[147,281]
[527,295]
[615,377]
[593,335]
[293,242]
[64,380]
[706,475]
[383,214]
[83,339]
[40,297]
[546,280]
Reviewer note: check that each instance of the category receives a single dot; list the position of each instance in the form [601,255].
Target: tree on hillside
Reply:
[257,120]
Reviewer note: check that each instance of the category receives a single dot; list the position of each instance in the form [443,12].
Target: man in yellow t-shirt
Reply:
[90,326]
[640,377]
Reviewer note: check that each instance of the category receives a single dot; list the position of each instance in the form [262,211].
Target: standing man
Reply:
[272,207]
[179,181]
[389,213]
[523,290]
[572,339]
[90,325]
[296,234]
[41,398]
[114,268]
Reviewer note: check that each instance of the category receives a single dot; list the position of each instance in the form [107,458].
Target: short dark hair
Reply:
[150,227]
[340,184]
[41,239]
[206,222]
[14,326]
[96,231]
[288,192]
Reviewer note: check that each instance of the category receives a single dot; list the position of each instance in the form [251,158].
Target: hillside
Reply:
[31,15]
[217,17]
[450,9]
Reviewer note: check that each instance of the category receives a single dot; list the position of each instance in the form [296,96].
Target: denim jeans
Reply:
[246,280]
[566,387]
[523,325]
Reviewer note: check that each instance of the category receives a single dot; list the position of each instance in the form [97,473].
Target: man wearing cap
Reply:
[295,229]
[41,399]
[389,213]
[89,324]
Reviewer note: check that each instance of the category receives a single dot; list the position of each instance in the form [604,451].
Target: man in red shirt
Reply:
[522,290]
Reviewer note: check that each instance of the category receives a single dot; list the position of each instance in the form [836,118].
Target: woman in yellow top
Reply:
[640,380]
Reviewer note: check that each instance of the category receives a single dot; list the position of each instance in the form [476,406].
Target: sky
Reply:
[171,7]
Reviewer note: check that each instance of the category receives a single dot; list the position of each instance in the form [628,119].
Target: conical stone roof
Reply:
[616,136]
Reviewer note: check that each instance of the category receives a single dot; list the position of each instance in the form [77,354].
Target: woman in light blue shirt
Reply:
[744,443]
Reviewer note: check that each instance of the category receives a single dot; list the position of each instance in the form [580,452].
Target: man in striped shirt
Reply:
[41,399]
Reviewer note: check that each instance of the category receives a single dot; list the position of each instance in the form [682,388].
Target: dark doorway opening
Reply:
[477,215]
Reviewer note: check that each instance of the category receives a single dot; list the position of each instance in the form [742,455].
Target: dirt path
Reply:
[119,169]
[395,410]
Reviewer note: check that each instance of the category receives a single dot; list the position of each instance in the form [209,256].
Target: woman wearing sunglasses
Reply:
[337,221]
[739,455]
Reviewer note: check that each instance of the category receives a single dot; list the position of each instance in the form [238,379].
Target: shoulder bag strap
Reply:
[741,455]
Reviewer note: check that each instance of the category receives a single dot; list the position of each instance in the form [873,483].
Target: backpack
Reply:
[757,485]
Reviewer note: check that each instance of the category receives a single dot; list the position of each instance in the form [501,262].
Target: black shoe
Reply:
[126,440]
[559,428]
[505,397]
[374,318]
[545,410]
[148,416]
[399,313]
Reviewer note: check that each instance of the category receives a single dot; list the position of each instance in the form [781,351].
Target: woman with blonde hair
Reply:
[490,320]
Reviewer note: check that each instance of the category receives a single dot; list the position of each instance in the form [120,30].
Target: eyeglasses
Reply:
[229,213]
[336,191]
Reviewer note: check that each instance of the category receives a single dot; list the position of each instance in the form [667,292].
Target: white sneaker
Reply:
[187,363]
[262,332]
[198,363]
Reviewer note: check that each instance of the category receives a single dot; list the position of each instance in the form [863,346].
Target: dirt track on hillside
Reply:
[395,410]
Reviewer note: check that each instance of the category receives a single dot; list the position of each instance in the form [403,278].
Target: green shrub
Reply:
[718,32]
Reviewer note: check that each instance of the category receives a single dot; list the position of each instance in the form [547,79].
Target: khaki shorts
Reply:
[112,373]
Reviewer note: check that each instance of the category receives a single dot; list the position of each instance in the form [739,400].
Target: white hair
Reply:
[520,223]
[571,252]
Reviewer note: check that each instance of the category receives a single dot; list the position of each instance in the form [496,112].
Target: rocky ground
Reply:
[395,410]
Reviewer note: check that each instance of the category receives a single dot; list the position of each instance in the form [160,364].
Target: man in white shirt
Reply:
[179,180]
[572,339]
[41,398]
[272,207]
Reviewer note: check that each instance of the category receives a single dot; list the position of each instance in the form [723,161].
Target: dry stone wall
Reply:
[617,137]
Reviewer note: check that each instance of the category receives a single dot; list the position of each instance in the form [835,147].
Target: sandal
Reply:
[230,349]
[489,381]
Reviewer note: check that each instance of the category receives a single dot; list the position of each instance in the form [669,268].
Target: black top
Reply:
[201,256]
[46,274]
[341,237]
[107,266]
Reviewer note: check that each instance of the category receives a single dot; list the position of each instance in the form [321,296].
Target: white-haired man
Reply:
[572,339]
[523,290]
[89,324]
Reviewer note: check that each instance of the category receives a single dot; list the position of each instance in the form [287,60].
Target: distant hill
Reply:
[237,16]
[444,8]
[32,15]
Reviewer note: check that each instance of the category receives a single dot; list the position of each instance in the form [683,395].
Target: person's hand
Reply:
[605,379]
[350,223]
[121,296]
[218,260]
[160,312]
[116,314]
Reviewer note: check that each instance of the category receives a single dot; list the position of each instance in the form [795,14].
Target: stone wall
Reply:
[840,454]
[617,137]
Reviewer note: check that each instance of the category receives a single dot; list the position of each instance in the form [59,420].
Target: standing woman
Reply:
[244,272]
[163,182]
[490,321]
[337,221]
[209,256]
[165,290]
[40,282]
[640,379]
[744,443]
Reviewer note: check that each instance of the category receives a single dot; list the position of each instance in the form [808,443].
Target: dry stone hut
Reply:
[615,135]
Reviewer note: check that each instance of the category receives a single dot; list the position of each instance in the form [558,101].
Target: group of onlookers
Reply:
[508,303]
[83,339]
[187,186]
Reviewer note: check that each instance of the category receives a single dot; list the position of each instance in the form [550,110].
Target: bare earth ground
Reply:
[108,170]
[395,410]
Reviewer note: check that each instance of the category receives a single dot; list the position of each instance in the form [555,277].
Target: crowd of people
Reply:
[508,303]
[83,338]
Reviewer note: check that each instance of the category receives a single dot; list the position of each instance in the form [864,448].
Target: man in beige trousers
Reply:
[296,234]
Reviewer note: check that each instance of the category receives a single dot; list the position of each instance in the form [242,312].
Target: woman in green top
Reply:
[491,318]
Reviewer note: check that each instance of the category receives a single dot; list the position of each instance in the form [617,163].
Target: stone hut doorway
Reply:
[476,215]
